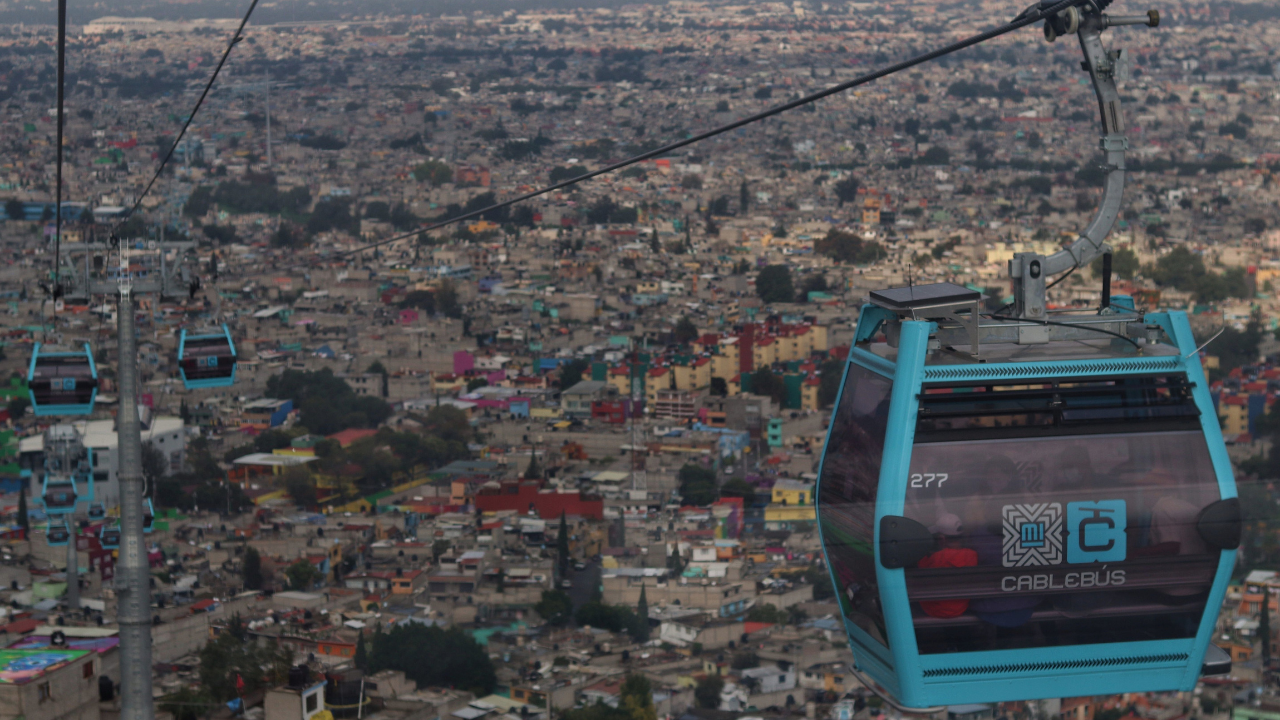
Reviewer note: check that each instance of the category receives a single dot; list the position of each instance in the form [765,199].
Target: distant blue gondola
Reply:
[109,537]
[57,533]
[207,361]
[59,496]
[62,383]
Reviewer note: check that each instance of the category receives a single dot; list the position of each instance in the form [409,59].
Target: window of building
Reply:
[313,702]
[88,670]
[45,692]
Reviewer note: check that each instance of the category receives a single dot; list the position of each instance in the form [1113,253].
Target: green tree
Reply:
[830,374]
[614,618]
[1124,264]
[17,407]
[24,518]
[155,464]
[773,284]
[675,563]
[571,373]
[555,607]
[697,485]
[187,703]
[719,386]
[637,698]
[845,247]
[562,546]
[300,486]
[685,330]
[447,300]
[327,403]
[302,575]
[434,657]
[765,382]
[362,653]
[818,576]
[1236,348]
[766,614]
[642,610]
[846,189]
[252,569]
[1264,626]
[434,172]
[230,655]
[1180,268]
[737,487]
[15,209]
[439,548]
[744,660]
[816,282]
[534,470]
[707,693]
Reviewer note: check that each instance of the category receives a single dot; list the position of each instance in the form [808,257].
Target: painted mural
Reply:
[21,666]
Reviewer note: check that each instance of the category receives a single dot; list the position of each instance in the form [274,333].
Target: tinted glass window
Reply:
[1060,540]
[847,496]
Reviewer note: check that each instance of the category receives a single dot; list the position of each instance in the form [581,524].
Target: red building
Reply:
[611,412]
[525,495]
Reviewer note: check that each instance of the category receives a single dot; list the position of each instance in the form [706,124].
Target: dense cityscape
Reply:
[558,460]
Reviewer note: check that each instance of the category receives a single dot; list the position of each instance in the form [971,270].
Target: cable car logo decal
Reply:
[1032,534]
[1095,531]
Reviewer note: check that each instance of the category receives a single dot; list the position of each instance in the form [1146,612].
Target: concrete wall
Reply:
[784,600]
[625,591]
[73,696]
[172,640]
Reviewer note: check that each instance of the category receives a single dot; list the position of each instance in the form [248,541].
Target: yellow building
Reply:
[724,366]
[765,352]
[809,393]
[620,379]
[792,492]
[694,376]
[1234,412]
[658,379]
[783,517]
[446,383]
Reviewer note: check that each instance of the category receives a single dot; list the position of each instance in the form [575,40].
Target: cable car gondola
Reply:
[207,360]
[109,537]
[97,511]
[62,383]
[1025,504]
[59,496]
[57,535]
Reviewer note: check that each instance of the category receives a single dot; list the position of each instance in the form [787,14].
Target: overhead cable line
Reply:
[57,202]
[236,38]
[1031,15]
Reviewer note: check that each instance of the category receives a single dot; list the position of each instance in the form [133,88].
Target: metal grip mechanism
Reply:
[1030,271]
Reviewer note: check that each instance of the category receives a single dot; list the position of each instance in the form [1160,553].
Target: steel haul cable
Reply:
[1027,17]
[236,38]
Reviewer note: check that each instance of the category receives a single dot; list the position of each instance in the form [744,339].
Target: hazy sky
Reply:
[268,11]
